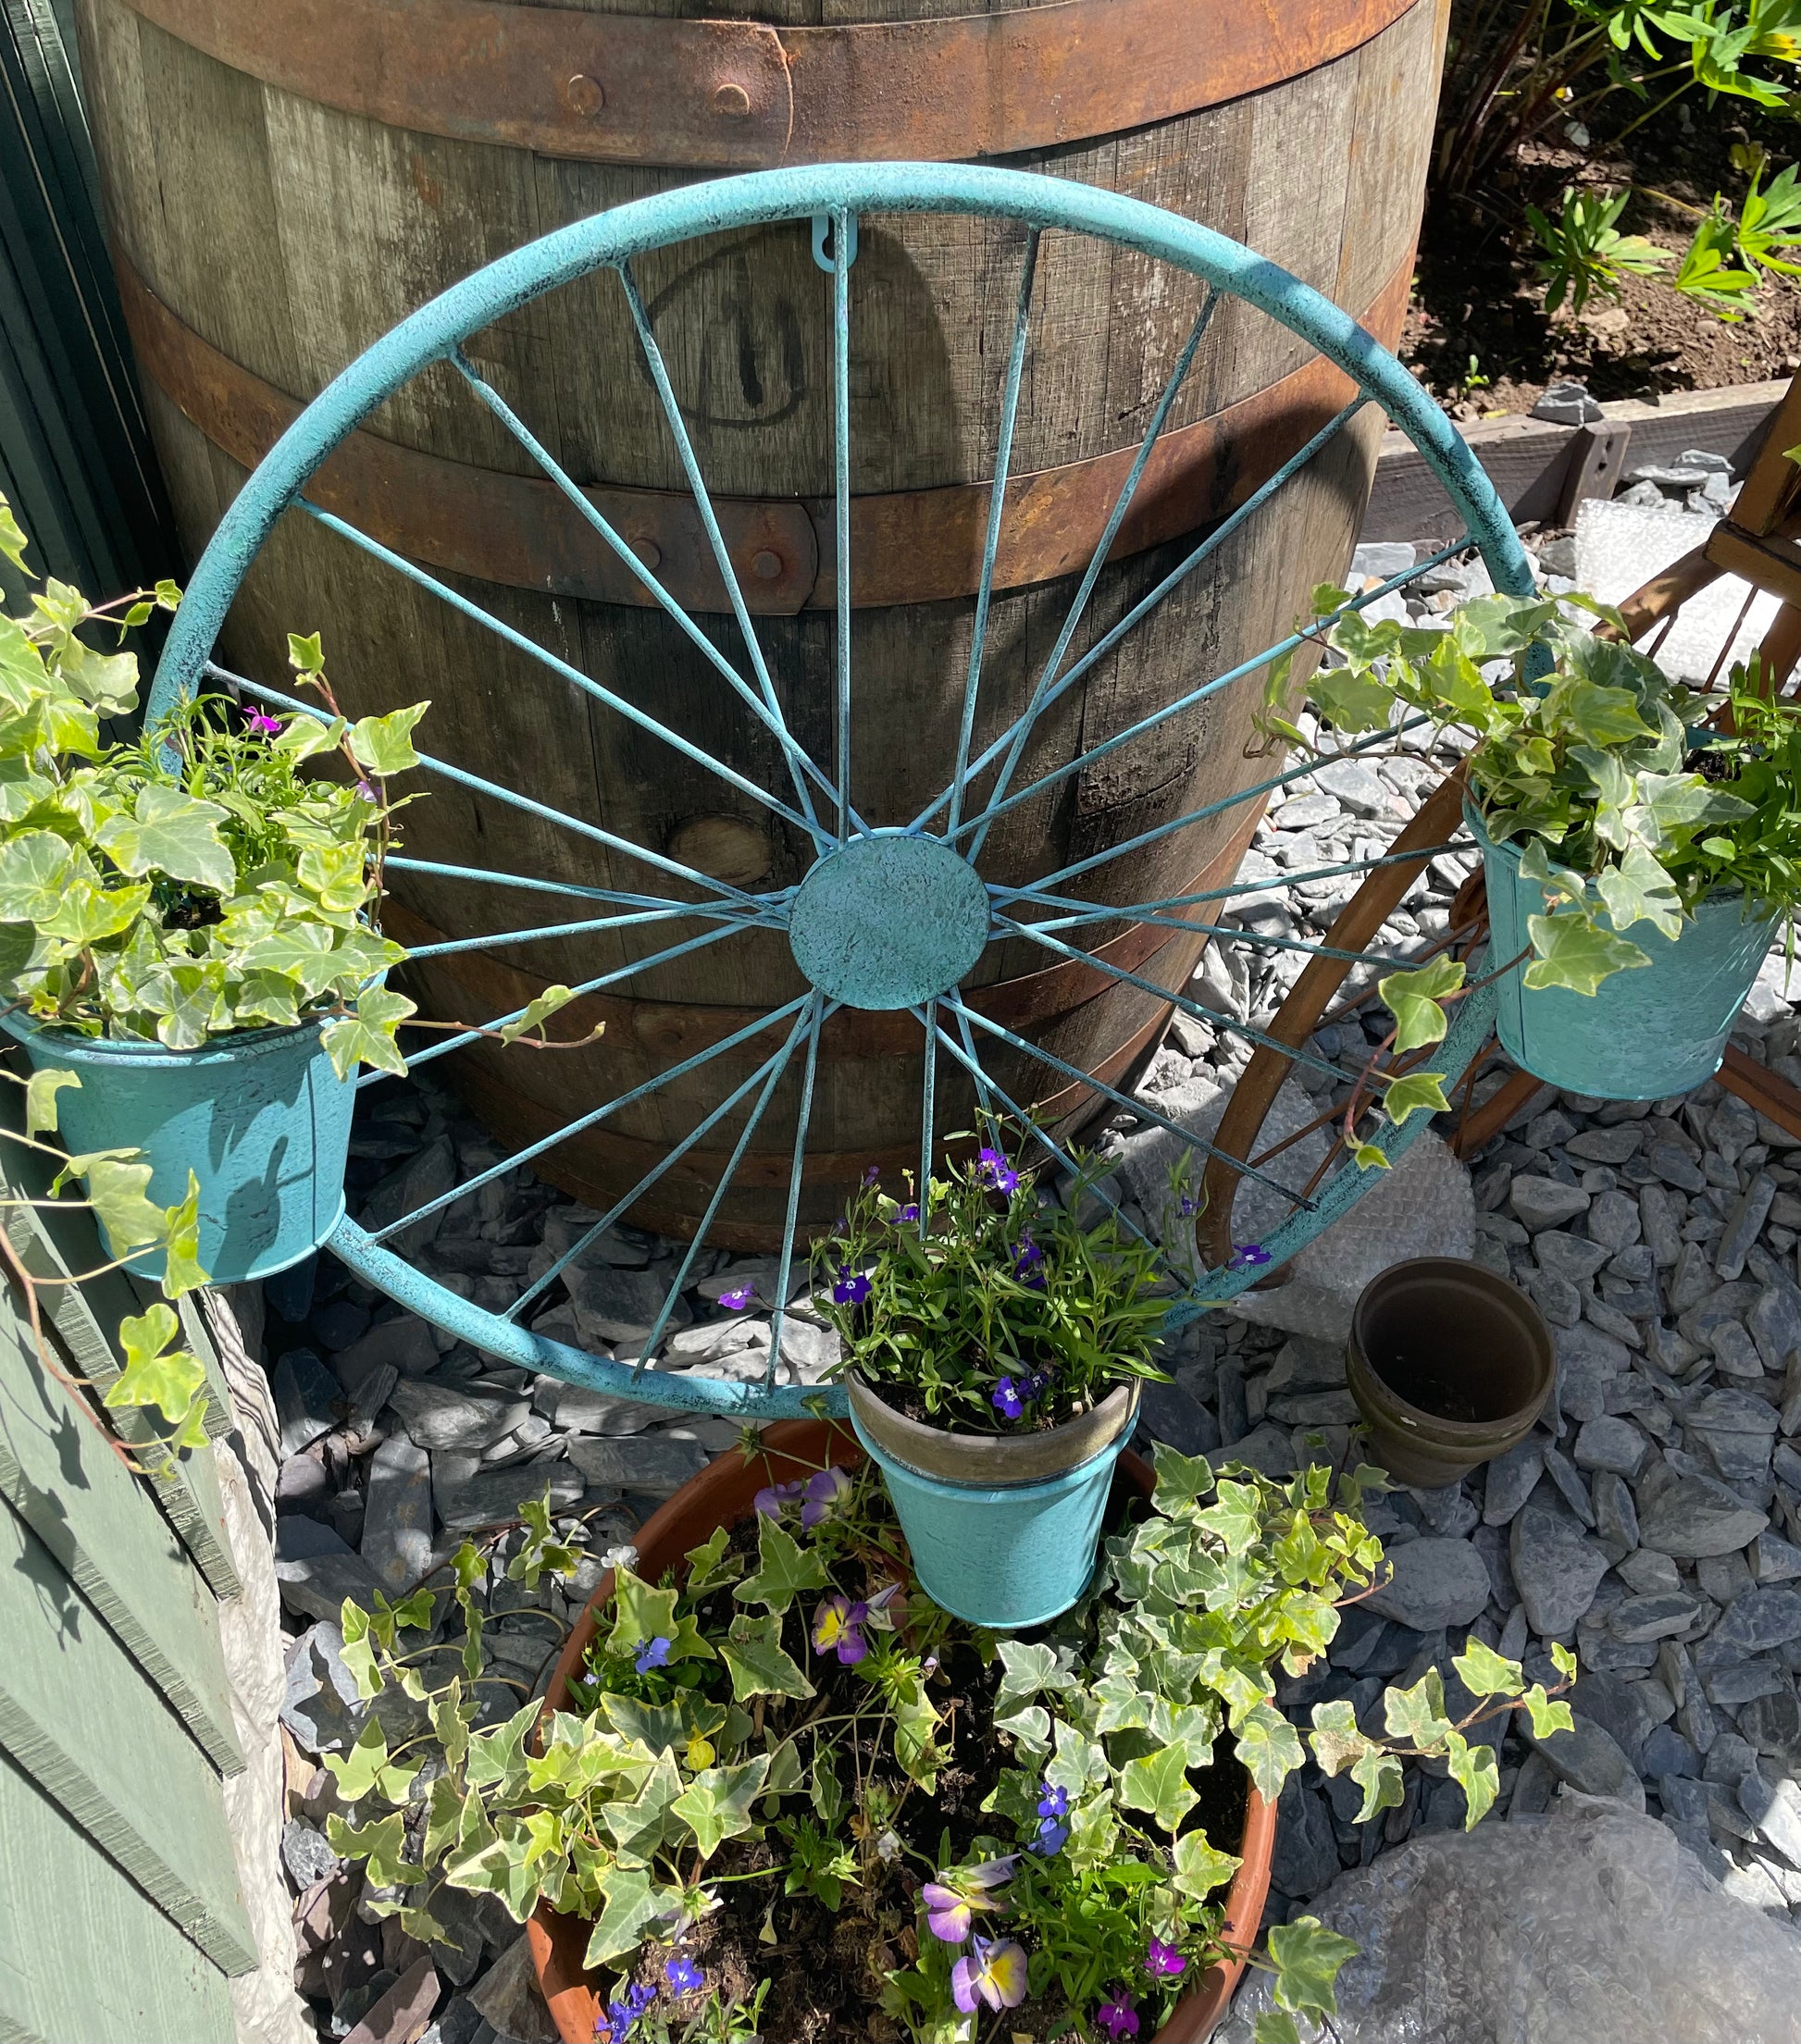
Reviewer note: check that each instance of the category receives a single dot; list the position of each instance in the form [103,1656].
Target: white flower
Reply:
[623,1556]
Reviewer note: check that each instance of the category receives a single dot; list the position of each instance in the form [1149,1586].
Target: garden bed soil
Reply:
[1477,293]
[826,1967]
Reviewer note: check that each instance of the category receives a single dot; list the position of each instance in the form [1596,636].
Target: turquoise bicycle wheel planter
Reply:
[260,1118]
[889,910]
[1645,1033]
[1003,1531]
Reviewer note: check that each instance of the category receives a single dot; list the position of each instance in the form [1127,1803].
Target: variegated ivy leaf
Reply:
[1079,1765]
[639,1827]
[41,1091]
[384,745]
[1547,1715]
[1268,1748]
[155,1374]
[1474,1768]
[381,1846]
[1418,1713]
[1276,2026]
[1093,1834]
[1191,1726]
[1572,950]
[643,1613]
[366,1034]
[1336,1739]
[758,1663]
[915,1737]
[537,1011]
[1199,1869]
[509,1863]
[1485,1673]
[711,1566]
[1028,1669]
[359,1648]
[1378,1774]
[634,1902]
[1235,1518]
[1123,1707]
[1638,890]
[1159,1782]
[497,1758]
[1413,1092]
[183,1270]
[717,1804]
[365,1769]
[784,1569]
[451,1719]
[540,1549]
[1181,1479]
[1413,999]
[1307,1960]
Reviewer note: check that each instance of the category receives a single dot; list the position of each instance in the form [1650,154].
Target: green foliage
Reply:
[999,1310]
[158,1374]
[1584,253]
[194,881]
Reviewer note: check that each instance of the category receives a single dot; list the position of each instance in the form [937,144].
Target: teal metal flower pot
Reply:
[260,1117]
[1003,1531]
[1645,1032]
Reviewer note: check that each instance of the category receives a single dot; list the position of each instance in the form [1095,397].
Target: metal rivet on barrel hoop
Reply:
[648,551]
[765,564]
[731,100]
[582,95]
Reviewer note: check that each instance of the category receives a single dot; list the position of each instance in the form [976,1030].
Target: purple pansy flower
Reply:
[887,1609]
[737,1298]
[1117,2017]
[1249,1256]
[852,1286]
[994,1971]
[652,1653]
[909,1212]
[826,1493]
[838,1628]
[950,1901]
[771,1500]
[993,1170]
[1006,1399]
[1163,1960]
[684,1977]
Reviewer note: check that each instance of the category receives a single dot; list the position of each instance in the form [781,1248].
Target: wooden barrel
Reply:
[287,179]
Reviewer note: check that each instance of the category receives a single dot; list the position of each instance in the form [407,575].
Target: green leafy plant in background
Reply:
[1585,253]
[774,1722]
[999,1311]
[1585,752]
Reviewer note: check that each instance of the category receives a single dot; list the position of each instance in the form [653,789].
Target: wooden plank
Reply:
[83,1955]
[76,1714]
[61,1477]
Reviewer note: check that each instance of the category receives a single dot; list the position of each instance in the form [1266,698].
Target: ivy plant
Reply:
[998,1312]
[786,1722]
[193,881]
[1627,809]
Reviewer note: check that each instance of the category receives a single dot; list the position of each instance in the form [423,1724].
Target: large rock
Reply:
[1540,1203]
[441,1416]
[652,1464]
[1433,1582]
[317,1569]
[1692,1515]
[397,1524]
[1555,1565]
[1587,1363]
[1588,1925]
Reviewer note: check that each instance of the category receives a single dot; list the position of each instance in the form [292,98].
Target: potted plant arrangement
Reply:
[993,1346]
[774,1791]
[1637,864]
[188,926]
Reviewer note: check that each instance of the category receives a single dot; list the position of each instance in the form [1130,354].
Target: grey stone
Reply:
[1649,1574]
[1588,1361]
[1661,1213]
[1306,1857]
[306,1399]
[1316,1409]
[321,1707]
[1759,1620]
[1609,1443]
[1773,1724]
[1434,1583]
[1667,1753]
[651,1463]
[306,1855]
[1727,1304]
[1166,1412]
[1567,403]
[1569,1484]
[1691,1516]
[439,1416]
[1676,1167]
[1545,1131]
[1743,1223]
[1569,1256]
[1775,1809]
[1539,1202]
[1267,1448]
[403,1344]
[425,1176]
[1774,1324]
[1738,1431]
[1693,1279]
[1733,1687]
[317,1570]
[1637,1619]
[1589,1758]
[1305,1364]
[1555,1565]
[397,1525]
[573,1408]
[1382,559]
[1555,1297]
[1734,1352]
[614,1305]
[466,1498]
[1355,785]
[1607,1145]
[1613,1220]
[1511,1479]
[1773,1559]
[1724,1577]
[1616,1522]
[508,1997]
[1623,1710]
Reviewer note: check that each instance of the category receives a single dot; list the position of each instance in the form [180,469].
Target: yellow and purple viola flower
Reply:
[951,1899]
[826,1493]
[837,1626]
[993,1971]
[774,1498]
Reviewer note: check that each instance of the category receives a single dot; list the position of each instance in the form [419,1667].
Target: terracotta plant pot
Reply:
[721,1495]
[1449,1363]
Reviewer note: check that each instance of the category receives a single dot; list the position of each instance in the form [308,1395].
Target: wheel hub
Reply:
[889,921]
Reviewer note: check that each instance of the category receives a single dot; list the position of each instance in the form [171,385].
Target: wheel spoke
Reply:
[769,1070]
[1004,457]
[502,937]
[562,668]
[520,431]
[1158,831]
[965,1053]
[927,1116]
[1105,645]
[776,1068]
[1096,912]
[1227,933]
[840,516]
[815,1003]
[463,779]
[594,1117]
[468,1036]
[397,861]
[1113,1093]
[715,539]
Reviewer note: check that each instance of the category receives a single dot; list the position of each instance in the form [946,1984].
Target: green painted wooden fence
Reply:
[120,1920]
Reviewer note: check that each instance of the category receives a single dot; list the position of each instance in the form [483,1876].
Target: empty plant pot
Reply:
[1003,1531]
[1450,1365]
[1646,1032]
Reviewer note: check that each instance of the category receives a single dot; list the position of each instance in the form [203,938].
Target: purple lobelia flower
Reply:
[1249,1256]
[737,1298]
[684,1977]
[909,1212]
[1117,2017]
[993,1972]
[652,1653]
[367,790]
[993,1170]
[838,1628]
[1028,1263]
[852,1286]
[1006,1398]
[1054,1820]
[265,725]
[1165,1960]
[622,2015]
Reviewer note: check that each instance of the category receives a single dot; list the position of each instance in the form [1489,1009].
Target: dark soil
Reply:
[1477,293]
[827,1969]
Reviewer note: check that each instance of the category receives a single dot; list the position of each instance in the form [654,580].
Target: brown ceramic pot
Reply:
[720,1495]
[1449,1363]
